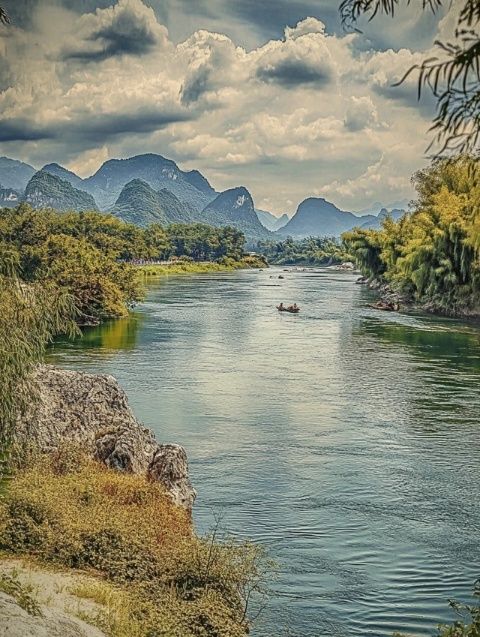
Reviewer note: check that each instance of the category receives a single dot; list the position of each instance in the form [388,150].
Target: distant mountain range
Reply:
[149,189]
[271,222]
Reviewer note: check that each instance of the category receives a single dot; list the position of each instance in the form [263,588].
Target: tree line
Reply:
[88,254]
[308,251]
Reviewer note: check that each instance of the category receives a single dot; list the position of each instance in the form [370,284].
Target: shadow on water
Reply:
[109,337]
[448,342]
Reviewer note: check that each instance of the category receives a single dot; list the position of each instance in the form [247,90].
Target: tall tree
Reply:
[453,75]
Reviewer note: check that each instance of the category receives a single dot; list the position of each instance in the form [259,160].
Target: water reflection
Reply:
[108,338]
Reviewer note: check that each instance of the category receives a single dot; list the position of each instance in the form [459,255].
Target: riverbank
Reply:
[389,296]
[92,490]
[203,267]
[66,510]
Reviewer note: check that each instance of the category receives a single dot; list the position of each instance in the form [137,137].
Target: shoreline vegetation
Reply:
[150,574]
[430,258]
[67,510]
[203,267]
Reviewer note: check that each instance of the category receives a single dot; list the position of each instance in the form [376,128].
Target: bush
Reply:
[83,515]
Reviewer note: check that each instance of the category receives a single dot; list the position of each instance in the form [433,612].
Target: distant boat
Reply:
[292,310]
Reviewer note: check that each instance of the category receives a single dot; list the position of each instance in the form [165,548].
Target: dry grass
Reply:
[160,578]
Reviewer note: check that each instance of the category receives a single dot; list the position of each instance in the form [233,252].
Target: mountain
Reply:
[66,175]
[376,208]
[191,188]
[48,191]
[376,222]
[318,217]
[15,174]
[281,221]
[235,207]
[139,203]
[271,222]
[9,198]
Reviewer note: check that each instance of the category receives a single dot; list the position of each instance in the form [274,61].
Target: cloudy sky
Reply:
[270,94]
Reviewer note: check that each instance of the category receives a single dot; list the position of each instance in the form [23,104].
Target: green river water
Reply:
[345,439]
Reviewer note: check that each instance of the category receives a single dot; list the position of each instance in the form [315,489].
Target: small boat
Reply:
[291,309]
[281,276]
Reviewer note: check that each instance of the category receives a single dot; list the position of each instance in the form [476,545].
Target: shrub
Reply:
[83,515]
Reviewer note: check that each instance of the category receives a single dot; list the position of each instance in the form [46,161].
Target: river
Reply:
[345,439]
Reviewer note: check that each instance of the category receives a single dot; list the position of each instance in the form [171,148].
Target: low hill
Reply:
[316,217]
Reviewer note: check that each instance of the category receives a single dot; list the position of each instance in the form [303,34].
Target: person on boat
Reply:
[295,306]
[280,307]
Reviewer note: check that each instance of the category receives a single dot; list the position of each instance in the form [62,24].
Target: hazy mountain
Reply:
[377,207]
[191,188]
[318,217]
[235,207]
[66,175]
[281,221]
[48,191]
[9,198]
[15,174]
[270,221]
[139,203]
[376,222]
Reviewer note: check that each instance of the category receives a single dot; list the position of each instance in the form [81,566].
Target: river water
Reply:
[345,439]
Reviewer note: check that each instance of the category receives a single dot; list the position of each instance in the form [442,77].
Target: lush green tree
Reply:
[308,251]
[30,316]
[432,255]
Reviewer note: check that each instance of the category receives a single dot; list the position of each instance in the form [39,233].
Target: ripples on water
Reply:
[343,438]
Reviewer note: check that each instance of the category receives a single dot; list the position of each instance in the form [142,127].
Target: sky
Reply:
[273,95]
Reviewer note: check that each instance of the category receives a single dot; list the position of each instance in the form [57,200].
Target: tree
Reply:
[30,316]
[453,76]
[432,255]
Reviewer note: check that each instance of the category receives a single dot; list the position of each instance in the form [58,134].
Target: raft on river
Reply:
[291,309]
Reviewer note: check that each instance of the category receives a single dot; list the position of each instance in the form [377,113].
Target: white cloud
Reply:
[305,114]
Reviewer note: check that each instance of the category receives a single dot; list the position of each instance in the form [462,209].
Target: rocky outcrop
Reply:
[92,410]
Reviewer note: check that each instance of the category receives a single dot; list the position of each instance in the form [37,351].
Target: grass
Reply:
[158,577]
[202,267]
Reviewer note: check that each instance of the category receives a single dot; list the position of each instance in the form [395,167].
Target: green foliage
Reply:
[432,255]
[205,243]
[30,316]
[82,515]
[309,251]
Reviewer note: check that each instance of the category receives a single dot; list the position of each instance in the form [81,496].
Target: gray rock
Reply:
[93,410]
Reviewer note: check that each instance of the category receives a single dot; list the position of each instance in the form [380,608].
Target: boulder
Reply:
[92,410]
